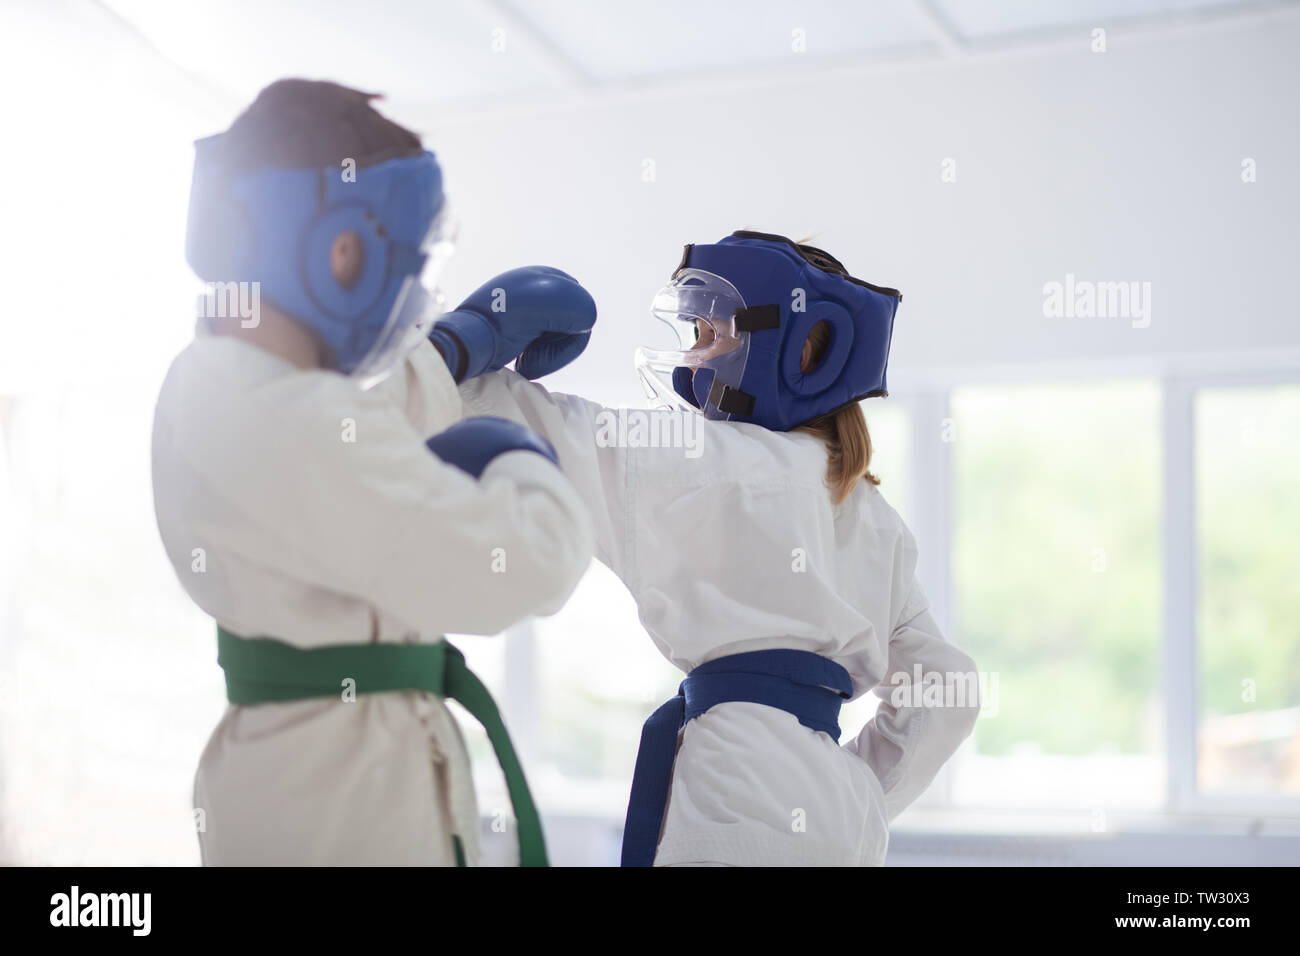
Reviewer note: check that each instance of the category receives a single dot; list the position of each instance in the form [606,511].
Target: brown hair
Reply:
[848,442]
[299,124]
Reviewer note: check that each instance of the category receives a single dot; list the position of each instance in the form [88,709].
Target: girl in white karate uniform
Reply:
[766,534]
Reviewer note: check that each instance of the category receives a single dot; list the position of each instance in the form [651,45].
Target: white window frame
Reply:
[1181,636]
[930,488]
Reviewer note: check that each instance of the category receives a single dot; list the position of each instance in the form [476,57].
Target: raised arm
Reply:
[377,515]
[586,442]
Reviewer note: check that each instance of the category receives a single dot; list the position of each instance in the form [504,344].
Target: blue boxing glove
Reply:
[472,443]
[537,314]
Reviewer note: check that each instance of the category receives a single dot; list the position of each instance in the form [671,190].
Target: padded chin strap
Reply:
[730,401]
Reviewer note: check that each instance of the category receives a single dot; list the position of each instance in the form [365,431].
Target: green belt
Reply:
[262,671]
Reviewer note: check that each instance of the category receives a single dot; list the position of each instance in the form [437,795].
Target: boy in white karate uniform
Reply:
[321,498]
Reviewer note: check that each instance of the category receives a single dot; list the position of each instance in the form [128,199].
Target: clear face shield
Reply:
[700,307]
[418,305]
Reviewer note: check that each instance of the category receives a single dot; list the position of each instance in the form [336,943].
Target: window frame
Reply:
[1181,633]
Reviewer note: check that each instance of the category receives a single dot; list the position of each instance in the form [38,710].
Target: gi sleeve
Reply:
[589,455]
[423,388]
[929,704]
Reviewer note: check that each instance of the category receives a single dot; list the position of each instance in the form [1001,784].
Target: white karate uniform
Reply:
[734,547]
[295,506]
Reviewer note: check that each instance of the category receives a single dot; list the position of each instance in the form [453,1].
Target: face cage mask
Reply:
[702,309]
[418,305]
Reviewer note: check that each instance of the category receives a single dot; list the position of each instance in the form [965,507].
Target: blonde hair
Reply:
[848,441]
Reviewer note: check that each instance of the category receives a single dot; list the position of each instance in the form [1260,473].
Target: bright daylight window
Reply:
[112,686]
[1248,620]
[1056,572]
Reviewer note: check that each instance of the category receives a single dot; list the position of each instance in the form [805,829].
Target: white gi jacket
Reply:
[736,546]
[295,506]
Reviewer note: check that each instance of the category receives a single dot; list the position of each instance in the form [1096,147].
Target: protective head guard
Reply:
[276,227]
[759,296]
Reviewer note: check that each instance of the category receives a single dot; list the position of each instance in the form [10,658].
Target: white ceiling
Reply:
[977,20]
[611,41]
[480,51]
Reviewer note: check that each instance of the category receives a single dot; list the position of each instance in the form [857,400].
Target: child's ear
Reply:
[347,258]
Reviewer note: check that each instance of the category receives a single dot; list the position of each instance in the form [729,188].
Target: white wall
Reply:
[1123,165]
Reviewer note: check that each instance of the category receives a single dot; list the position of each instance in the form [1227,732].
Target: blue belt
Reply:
[806,685]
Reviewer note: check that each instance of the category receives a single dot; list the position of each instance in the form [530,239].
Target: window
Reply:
[108,681]
[1248,611]
[110,688]
[1057,590]
[891,448]
[599,677]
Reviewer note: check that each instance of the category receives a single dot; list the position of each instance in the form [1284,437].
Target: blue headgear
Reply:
[276,227]
[760,296]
